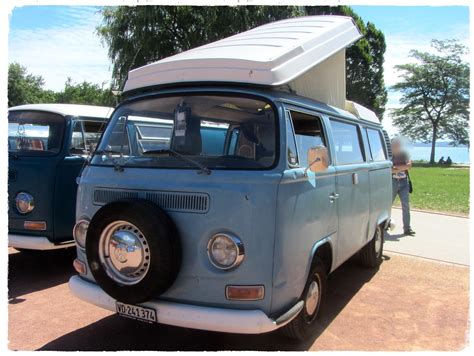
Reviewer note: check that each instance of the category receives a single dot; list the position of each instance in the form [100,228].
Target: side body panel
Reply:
[353,209]
[305,215]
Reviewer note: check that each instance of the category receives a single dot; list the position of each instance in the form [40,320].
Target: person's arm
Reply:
[402,167]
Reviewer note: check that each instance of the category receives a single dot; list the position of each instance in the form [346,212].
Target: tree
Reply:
[435,95]
[85,93]
[364,61]
[26,88]
[136,36]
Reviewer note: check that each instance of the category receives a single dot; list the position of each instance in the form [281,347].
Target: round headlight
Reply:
[225,251]
[80,232]
[24,202]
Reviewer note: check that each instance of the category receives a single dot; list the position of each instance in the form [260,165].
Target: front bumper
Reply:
[35,242]
[192,316]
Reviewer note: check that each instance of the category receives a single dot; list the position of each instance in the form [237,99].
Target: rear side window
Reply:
[308,134]
[347,143]
[85,136]
[376,145]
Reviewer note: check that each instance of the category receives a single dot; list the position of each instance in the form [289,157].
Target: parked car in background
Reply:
[48,145]
[233,179]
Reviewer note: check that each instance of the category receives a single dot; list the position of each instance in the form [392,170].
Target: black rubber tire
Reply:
[304,325]
[368,256]
[163,242]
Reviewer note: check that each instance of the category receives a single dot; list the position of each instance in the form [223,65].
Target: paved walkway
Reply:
[438,237]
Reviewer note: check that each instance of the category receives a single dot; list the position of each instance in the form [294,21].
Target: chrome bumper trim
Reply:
[35,243]
[191,316]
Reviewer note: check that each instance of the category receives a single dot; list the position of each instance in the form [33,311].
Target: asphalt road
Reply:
[408,304]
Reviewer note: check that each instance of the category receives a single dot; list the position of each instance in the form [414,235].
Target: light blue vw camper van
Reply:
[222,194]
[47,147]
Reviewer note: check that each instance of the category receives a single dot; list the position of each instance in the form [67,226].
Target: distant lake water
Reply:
[457,154]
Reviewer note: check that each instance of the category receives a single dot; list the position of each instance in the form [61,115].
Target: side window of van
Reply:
[291,143]
[92,132]
[308,133]
[347,143]
[234,136]
[77,144]
[153,136]
[118,141]
[85,136]
[213,141]
[376,145]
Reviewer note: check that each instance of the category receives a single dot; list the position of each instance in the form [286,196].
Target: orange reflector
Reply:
[244,292]
[79,266]
[34,225]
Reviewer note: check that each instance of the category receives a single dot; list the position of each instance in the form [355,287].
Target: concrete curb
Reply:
[434,212]
[426,258]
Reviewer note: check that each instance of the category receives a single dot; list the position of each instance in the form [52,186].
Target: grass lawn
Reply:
[444,189]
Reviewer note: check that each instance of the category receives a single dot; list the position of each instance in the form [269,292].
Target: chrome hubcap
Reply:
[124,252]
[312,298]
[378,242]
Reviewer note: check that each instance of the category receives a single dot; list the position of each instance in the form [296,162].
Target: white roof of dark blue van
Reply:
[272,54]
[102,112]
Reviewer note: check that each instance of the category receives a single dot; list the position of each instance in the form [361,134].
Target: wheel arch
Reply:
[324,251]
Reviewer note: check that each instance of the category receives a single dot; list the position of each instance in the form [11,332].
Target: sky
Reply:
[58,42]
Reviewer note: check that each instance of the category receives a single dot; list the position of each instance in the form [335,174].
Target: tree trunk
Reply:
[433,144]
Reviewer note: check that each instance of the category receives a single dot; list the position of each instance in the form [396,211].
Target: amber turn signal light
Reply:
[79,266]
[34,225]
[244,292]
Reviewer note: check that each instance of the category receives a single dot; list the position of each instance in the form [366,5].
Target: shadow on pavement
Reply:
[394,237]
[32,271]
[116,333]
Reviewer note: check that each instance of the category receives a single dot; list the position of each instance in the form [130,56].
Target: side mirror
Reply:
[317,159]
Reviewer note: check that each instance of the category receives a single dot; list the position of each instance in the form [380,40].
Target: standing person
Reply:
[400,185]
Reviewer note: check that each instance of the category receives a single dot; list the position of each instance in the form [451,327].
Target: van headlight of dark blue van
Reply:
[25,202]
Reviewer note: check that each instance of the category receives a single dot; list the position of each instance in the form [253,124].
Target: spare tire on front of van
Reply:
[133,250]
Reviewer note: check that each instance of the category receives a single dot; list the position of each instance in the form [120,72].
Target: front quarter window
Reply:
[218,132]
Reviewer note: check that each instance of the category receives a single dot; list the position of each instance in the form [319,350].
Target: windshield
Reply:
[193,131]
[35,132]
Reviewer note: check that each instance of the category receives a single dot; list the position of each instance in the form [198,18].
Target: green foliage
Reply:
[85,93]
[435,92]
[136,36]
[27,88]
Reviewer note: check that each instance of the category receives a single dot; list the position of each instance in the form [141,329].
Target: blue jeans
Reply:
[401,187]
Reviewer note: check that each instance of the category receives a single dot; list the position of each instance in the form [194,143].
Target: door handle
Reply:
[355,178]
[333,197]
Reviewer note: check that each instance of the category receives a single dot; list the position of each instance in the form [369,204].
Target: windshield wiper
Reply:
[203,169]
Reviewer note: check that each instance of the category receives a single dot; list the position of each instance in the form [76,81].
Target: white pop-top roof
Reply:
[102,112]
[272,54]
[361,112]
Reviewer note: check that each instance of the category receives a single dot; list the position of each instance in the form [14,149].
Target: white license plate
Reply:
[135,312]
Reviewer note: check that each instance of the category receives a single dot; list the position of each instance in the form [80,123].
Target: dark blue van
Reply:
[48,145]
